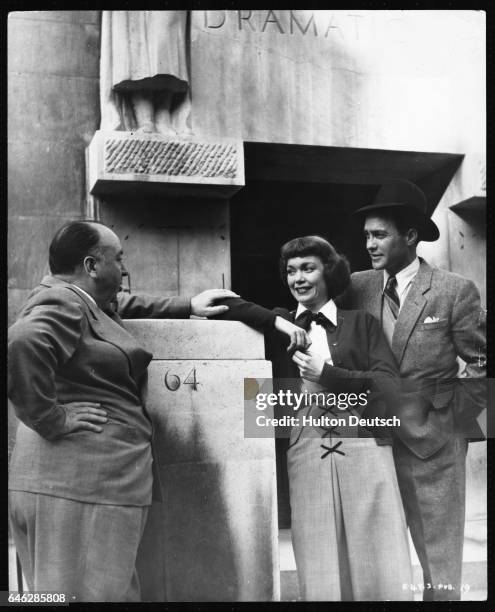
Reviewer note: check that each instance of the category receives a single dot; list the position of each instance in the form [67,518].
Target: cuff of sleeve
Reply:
[51,426]
[184,303]
[331,372]
[270,322]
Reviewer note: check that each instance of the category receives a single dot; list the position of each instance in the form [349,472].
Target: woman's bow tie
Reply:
[306,317]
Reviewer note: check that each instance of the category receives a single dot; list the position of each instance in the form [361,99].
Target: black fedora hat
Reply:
[400,193]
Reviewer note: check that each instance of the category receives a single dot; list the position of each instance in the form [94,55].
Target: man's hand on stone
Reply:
[202,304]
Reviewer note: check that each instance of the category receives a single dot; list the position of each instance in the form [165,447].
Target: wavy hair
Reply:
[337,272]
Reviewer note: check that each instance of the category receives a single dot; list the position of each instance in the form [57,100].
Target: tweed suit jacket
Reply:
[440,320]
[64,349]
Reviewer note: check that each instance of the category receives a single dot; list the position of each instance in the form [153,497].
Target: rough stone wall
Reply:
[400,80]
[53,111]
[406,80]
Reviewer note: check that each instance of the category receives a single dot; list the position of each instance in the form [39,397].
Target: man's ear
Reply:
[412,236]
[89,265]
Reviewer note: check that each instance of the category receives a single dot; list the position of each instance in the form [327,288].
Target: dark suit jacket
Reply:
[359,351]
[427,352]
[64,349]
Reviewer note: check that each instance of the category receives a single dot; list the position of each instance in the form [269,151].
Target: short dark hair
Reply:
[403,218]
[71,244]
[337,271]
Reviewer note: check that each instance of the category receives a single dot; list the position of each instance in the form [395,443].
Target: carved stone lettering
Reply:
[331,26]
[241,16]
[210,21]
[303,30]
[273,20]
[319,24]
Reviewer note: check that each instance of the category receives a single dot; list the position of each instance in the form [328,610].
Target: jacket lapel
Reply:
[411,310]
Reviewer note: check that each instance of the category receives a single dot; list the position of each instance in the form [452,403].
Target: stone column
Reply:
[214,535]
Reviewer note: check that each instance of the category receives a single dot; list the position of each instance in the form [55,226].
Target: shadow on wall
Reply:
[186,553]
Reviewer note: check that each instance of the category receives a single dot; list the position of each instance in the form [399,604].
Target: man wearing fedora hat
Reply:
[431,318]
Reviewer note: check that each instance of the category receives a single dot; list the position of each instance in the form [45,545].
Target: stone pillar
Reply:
[168,200]
[214,535]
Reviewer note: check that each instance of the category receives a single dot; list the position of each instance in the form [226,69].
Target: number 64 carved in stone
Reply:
[173,382]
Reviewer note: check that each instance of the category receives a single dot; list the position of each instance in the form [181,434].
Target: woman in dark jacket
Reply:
[348,526]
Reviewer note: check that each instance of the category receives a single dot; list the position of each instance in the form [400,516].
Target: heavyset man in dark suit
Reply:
[81,471]
[430,318]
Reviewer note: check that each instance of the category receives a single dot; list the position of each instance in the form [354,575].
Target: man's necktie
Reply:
[391,295]
[305,319]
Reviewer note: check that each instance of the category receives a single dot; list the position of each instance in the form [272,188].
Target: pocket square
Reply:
[431,320]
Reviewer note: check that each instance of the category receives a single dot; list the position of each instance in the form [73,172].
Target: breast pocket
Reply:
[425,327]
[431,346]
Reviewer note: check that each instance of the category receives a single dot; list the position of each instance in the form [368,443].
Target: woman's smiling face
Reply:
[306,281]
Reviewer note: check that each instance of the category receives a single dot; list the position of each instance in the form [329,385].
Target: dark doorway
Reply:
[265,214]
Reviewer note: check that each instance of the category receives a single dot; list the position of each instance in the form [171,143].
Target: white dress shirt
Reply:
[317,333]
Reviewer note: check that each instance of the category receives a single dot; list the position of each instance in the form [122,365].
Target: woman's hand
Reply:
[83,415]
[298,337]
[310,365]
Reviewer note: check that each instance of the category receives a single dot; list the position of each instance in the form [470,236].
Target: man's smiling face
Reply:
[388,248]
